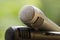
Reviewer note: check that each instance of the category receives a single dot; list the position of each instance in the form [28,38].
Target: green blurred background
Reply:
[9,10]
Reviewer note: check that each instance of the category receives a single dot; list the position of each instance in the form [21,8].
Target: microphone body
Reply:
[35,18]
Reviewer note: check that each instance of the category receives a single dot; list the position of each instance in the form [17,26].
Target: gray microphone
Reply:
[35,18]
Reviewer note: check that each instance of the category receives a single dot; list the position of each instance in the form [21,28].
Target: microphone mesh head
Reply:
[27,13]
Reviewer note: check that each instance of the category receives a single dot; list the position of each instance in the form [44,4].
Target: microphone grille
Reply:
[27,13]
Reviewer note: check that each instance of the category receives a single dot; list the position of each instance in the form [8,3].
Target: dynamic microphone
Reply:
[35,18]
[26,33]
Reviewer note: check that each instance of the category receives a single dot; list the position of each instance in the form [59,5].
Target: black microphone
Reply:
[26,33]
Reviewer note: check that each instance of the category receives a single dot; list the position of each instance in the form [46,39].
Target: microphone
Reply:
[26,33]
[35,18]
